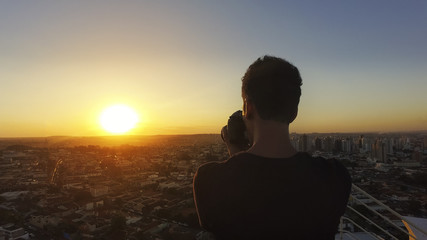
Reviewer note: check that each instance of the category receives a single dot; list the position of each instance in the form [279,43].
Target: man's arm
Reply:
[200,187]
[232,149]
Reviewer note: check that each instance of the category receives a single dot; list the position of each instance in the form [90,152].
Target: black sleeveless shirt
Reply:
[253,197]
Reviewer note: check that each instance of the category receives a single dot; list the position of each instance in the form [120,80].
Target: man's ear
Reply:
[248,109]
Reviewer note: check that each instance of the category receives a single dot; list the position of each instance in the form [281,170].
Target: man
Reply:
[271,191]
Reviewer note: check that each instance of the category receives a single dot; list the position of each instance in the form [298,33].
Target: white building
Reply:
[99,191]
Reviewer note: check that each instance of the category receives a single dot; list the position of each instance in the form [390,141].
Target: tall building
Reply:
[295,142]
[367,144]
[361,143]
[379,150]
[318,145]
[304,143]
[338,145]
[390,145]
[347,145]
[329,144]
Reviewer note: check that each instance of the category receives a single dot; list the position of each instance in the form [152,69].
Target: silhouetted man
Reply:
[271,191]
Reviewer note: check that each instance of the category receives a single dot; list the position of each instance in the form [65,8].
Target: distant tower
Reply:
[390,145]
[329,144]
[367,144]
[361,142]
[295,142]
[347,145]
[338,145]
[318,144]
[304,143]
[380,150]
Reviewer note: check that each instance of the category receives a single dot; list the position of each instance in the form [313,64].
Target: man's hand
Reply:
[232,149]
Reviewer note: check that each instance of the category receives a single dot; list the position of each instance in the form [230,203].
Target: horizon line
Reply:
[195,134]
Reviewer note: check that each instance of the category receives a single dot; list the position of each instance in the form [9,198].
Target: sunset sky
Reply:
[179,63]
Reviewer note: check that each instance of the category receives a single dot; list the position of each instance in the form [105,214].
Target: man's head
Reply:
[273,86]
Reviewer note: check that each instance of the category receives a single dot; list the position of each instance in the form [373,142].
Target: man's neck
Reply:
[271,139]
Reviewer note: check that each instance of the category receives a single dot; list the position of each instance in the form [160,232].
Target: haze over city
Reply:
[178,65]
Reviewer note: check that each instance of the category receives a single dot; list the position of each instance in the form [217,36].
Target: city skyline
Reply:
[179,65]
[78,187]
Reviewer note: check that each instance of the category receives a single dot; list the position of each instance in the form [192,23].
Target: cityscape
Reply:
[140,187]
[109,108]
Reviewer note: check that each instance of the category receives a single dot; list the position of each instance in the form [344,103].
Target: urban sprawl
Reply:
[141,188]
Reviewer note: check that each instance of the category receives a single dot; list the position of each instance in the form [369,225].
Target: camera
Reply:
[236,131]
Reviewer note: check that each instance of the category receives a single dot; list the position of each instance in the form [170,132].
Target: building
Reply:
[318,145]
[380,150]
[10,232]
[41,221]
[303,143]
[99,190]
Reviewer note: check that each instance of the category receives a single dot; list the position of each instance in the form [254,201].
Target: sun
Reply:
[118,119]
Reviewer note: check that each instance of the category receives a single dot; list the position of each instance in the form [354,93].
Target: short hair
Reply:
[273,85]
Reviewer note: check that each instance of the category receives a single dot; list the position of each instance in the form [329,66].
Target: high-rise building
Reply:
[361,142]
[347,145]
[379,150]
[295,142]
[338,145]
[390,145]
[304,143]
[318,145]
[329,144]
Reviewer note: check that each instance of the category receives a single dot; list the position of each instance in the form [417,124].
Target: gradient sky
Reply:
[179,63]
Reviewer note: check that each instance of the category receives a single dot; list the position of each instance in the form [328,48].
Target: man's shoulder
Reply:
[331,163]
[328,169]
[218,169]
[214,165]
[209,169]
[302,160]
[333,169]
[205,169]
